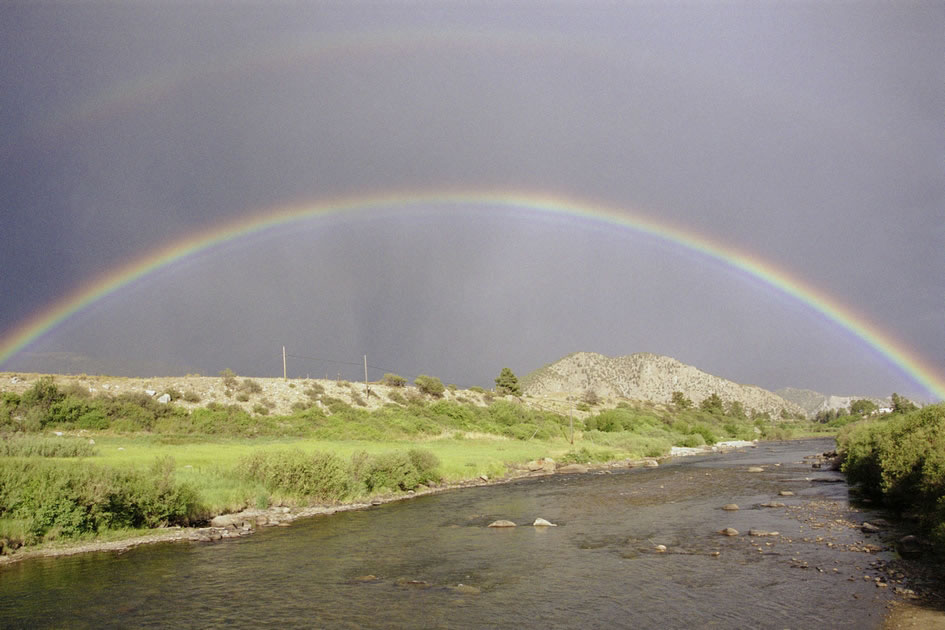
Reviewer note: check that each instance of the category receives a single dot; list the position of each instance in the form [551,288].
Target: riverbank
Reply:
[245,522]
[625,544]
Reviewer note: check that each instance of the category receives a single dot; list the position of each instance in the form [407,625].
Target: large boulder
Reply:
[226,520]
[501,523]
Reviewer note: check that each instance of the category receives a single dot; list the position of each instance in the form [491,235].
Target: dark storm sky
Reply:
[810,135]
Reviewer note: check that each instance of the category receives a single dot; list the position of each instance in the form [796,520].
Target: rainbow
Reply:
[903,357]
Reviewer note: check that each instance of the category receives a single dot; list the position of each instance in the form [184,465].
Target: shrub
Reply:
[316,476]
[477,389]
[692,440]
[590,397]
[392,471]
[66,501]
[251,386]
[37,446]
[242,397]
[394,380]
[314,390]
[191,396]
[229,378]
[705,431]
[681,401]
[712,404]
[397,397]
[261,409]
[430,385]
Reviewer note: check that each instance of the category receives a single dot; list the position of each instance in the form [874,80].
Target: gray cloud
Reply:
[809,135]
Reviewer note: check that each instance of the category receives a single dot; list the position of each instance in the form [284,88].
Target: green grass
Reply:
[223,459]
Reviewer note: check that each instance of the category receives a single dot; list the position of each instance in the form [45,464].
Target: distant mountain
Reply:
[814,402]
[648,377]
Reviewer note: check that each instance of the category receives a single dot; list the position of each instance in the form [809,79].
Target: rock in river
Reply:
[729,531]
[754,469]
[761,532]
[540,522]
[501,523]
[730,507]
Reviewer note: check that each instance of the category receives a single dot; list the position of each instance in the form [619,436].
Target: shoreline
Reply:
[247,522]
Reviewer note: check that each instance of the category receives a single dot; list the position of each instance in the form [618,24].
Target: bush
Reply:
[229,378]
[712,404]
[56,501]
[36,446]
[692,440]
[314,390]
[430,385]
[397,397]
[191,396]
[251,386]
[400,471]
[316,476]
[394,380]
[260,409]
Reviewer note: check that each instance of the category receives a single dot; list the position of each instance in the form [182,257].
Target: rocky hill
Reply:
[814,402]
[252,394]
[648,377]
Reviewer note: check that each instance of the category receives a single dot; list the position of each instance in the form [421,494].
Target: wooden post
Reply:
[284,377]
[571,416]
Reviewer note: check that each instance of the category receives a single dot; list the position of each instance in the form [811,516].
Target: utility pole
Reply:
[367,390]
[571,417]
[284,377]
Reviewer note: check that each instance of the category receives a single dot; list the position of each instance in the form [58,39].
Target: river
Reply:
[432,562]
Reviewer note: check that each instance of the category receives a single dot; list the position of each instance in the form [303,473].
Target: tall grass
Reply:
[40,446]
[50,499]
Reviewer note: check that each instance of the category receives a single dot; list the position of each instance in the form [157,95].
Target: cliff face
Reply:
[646,376]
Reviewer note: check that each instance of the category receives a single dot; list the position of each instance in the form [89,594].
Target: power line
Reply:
[337,362]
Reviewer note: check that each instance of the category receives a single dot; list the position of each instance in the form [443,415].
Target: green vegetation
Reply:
[900,460]
[42,446]
[430,385]
[507,383]
[712,404]
[230,459]
[394,380]
[47,499]
[681,401]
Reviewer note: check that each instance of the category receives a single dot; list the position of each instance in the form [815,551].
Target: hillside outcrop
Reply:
[648,377]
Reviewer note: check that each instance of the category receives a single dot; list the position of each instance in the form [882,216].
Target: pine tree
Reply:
[507,383]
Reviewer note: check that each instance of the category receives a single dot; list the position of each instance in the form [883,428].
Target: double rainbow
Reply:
[897,353]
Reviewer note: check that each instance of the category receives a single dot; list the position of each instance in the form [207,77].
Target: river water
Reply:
[401,565]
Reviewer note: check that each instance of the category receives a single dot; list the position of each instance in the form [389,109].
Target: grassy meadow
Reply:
[75,466]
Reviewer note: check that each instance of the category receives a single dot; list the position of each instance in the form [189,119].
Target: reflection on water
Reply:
[432,563]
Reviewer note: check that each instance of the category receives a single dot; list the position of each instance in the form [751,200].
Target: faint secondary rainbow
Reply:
[107,283]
